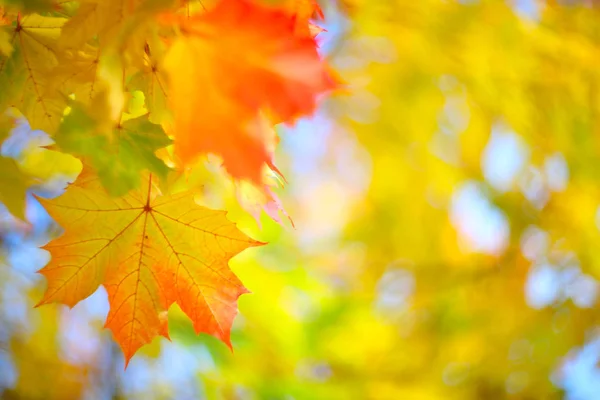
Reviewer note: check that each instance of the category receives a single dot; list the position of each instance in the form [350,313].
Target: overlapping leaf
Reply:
[25,74]
[150,78]
[234,61]
[149,251]
[77,73]
[96,18]
[118,153]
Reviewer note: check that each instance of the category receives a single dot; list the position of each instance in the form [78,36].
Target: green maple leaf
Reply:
[118,153]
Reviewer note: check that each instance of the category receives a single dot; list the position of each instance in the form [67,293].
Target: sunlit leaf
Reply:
[149,251]
[232,62]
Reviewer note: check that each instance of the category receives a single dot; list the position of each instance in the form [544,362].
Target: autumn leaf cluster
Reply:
[137,92]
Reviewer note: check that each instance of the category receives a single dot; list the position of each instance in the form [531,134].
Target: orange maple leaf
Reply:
[232,63]
[148,251]
[304,11]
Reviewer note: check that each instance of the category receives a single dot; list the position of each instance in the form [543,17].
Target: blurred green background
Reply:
[446,234]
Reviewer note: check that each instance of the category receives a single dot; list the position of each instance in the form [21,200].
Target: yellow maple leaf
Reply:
[25,76]
[149,251]
[13,185]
